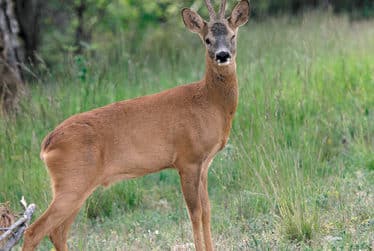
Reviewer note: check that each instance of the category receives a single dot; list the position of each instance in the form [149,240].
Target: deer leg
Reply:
[63,206]
[59,235]
[190,181]
[204,197]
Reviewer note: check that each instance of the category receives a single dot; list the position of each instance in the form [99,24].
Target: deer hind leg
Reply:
[59,235]
[71,187]
[190,181]
[56,220]
[204,197]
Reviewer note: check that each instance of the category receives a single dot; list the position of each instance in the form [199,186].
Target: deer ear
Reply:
[192,20]
[240,14]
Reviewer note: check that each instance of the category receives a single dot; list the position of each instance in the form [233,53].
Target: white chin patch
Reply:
[224,63]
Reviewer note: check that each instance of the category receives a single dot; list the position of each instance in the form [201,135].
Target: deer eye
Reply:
[208,42]
[233,37]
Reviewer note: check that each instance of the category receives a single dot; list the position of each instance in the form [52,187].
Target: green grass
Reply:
[297,172]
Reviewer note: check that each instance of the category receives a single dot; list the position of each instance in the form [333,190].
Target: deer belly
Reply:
[136,163]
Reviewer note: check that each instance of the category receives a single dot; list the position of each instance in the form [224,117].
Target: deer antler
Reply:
[212,13]
[222,9]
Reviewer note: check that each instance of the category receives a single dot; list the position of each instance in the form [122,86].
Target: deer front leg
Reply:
[190,182]
[204,197]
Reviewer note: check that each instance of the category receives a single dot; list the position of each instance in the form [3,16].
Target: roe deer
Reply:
[181,128]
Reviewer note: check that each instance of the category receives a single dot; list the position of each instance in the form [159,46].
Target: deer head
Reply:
[220,33]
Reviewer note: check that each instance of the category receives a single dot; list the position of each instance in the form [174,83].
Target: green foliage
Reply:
[80,63]
[296,174]
[356,9]
[60,21]
[103,203]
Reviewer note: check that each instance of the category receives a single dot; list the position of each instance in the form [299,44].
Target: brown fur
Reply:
[181,128]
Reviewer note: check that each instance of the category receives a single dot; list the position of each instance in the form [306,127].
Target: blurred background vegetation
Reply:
[77,25]
[48,30]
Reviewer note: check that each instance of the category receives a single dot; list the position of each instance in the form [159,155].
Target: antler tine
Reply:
[212,13]
[222,9]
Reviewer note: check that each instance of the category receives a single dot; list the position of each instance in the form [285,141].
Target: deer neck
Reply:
[222,85]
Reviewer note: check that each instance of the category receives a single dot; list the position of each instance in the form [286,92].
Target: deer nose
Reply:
[222,56]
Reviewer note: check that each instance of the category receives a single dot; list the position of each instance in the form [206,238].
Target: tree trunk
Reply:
[80,32]
[28,14]
[11,58]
